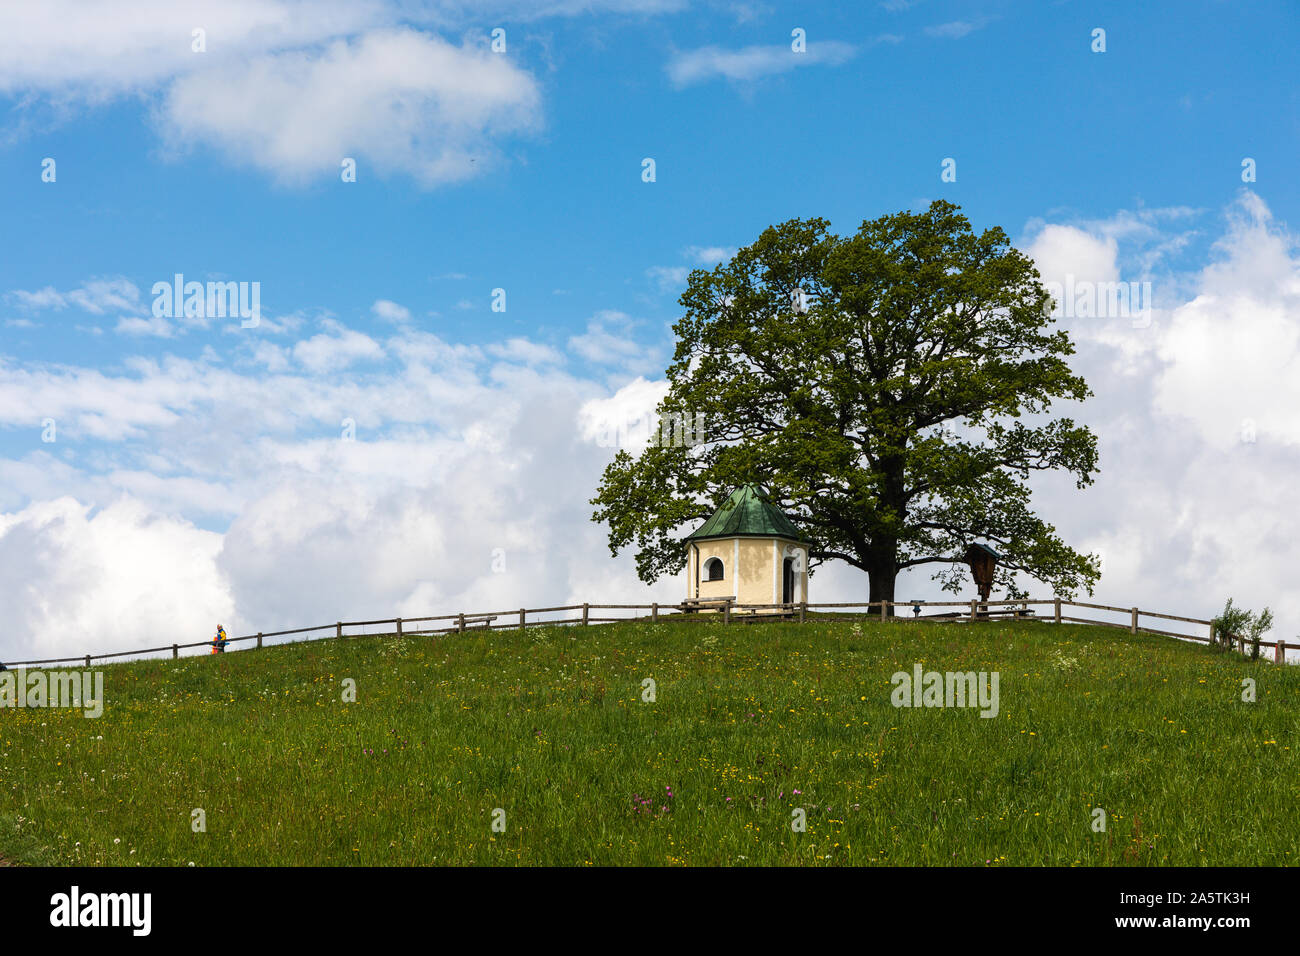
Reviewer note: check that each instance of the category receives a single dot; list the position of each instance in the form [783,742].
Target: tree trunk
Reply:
[881,585]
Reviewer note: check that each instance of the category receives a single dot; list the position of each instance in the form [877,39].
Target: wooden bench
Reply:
[1017,613]
[765,612]
[693,605]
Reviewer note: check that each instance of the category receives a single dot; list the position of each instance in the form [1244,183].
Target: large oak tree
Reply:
[892,390]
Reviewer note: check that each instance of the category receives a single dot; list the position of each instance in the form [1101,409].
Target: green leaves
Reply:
[891,388]
[1236,622]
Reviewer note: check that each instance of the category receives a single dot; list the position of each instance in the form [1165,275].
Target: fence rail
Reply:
[707,609]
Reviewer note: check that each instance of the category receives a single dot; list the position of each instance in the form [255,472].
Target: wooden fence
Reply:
[706,610]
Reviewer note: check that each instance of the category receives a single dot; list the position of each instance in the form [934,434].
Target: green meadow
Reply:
[753,727]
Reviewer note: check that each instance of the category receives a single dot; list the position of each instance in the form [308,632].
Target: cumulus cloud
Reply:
[443,495]
[1231,356]
[1193,409]
[284,86]
[94,50]
[79,580]
[626,419]
[399,101]
[183,492]
[336,348]
[524,351]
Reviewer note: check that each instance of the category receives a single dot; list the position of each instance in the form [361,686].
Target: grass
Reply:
[750,723]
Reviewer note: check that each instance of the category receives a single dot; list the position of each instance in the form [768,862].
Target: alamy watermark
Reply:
[214,300]
[670,430]
[1087,299]
[132,911]
[923,688]
[83,689]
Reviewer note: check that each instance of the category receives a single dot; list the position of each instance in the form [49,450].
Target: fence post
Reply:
[399,627]
[87,662]
[521,618]
[1133,625]
[176,651]
[884,610]
[1212,630]
[584,613]
[803,606]
[460,621]
[1058,611]
[654,611]
[259,638]
[1241,646]
[1279,652]
[972,610]
[726,611]
[338,629]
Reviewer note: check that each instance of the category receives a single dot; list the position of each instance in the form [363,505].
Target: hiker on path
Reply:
[219,645]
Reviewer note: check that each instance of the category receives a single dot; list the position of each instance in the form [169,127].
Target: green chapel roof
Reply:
[747,513]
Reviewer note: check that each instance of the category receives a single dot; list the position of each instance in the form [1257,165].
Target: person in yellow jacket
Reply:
[219,645]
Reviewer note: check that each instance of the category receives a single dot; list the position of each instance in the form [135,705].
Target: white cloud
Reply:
[673,278]
[453,458]
[1060,250]
[608,341]
[624,420]
[335,349]
[956,29]
[390,311]
[669,278]
[710,255]
[752,62]
[94,50]
[526,352]
[525,10]
[461,450]
[152,326]
[1194,412]
[1231,356]
[95,296]
[274,357]
[397,101]
[288,87]
[119,578]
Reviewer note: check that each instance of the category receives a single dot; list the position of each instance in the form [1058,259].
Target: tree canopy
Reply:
[892,390]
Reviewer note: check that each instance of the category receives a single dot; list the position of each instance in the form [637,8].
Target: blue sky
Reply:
[1038,124]
[224,165]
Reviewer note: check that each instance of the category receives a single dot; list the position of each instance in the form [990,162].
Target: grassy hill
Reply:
[750,723]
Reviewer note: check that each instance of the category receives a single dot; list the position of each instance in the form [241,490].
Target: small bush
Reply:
[1237,622]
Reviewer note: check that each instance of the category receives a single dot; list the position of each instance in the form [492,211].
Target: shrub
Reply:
[1237,622]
